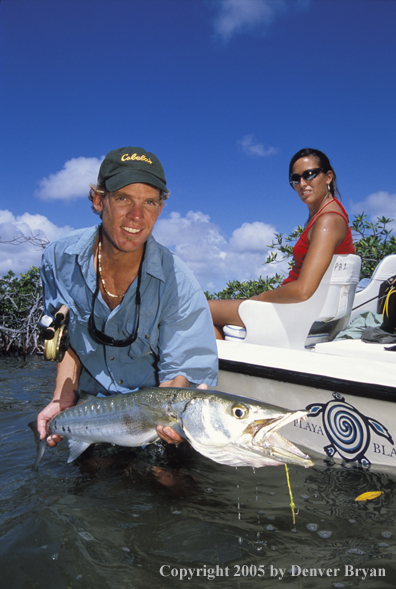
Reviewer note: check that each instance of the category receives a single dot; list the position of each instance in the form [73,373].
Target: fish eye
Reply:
[239,411]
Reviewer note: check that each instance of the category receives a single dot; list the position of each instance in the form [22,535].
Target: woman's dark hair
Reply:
[323,162]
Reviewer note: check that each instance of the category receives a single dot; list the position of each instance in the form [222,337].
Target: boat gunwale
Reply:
[334,384]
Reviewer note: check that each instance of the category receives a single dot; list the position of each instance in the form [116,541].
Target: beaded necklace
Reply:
[101,276]
[103,338]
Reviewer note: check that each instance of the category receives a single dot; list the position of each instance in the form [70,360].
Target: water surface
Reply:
[167,517]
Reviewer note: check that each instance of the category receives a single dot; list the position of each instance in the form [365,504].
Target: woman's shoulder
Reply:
[335,206]
[331,218]
[326,214]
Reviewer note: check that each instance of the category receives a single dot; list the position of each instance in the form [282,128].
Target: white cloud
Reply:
[72,181]
[378,204]
[251,237]
[240,16]
[200,243]
[236,16]
[21,256]
[214,259]
[252,147]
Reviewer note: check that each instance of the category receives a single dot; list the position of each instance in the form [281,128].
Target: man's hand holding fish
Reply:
[137,316]
[228,429]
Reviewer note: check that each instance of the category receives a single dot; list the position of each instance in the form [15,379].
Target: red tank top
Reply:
[302,245]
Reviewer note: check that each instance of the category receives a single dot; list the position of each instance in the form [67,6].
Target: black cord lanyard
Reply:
[99,336]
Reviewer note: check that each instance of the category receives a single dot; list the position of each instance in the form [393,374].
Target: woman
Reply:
[325,234]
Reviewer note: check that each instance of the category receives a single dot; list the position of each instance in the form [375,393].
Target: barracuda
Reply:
[223,427]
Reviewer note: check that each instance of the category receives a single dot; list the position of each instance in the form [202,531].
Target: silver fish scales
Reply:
[226,428]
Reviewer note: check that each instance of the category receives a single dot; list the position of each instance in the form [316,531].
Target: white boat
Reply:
[348,386]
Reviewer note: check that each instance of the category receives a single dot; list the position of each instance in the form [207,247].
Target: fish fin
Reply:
[41,444]
[33,427]
[76,448]
[152,416]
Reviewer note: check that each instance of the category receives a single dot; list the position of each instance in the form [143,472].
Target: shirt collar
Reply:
[152,261]
[83,247]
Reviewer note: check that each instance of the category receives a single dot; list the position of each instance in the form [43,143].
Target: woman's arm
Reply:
[327,232]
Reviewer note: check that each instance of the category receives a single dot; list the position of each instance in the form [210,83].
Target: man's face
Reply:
[129,215]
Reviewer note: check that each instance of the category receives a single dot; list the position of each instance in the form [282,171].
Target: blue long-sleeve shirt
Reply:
[175,335]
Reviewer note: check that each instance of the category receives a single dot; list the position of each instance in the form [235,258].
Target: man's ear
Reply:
[97,202]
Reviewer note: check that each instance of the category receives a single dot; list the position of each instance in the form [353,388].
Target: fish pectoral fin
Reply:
[76,448]
[154,414]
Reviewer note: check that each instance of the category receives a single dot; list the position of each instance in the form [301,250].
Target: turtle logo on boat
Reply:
[348,430]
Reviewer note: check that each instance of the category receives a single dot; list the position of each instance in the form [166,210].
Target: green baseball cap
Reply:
[131,165]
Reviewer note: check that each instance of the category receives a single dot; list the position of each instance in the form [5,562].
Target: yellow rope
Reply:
[385,310]
[291,494]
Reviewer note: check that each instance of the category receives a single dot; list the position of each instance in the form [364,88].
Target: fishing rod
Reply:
[383,293]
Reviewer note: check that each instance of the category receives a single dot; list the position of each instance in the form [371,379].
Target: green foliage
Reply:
[247,289]
[373,241]
[20,309]
[283,245]
[283,249]
[21,299]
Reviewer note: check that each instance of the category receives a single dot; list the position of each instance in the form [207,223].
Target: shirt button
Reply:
[147,336]
[120,381]
[112,358]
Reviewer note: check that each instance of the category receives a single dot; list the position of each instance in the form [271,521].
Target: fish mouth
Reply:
[279,449]
[272,424]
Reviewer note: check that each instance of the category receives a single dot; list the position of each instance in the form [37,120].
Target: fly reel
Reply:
[56,334]
[55,348]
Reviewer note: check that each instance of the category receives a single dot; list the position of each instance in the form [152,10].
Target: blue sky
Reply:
[224,92]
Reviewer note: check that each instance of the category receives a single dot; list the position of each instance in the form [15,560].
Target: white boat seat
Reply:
[288,325]
[366,299]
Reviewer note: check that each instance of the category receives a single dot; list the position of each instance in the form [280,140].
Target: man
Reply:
[137,314]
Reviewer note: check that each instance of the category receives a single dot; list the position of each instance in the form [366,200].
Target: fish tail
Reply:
[41,444]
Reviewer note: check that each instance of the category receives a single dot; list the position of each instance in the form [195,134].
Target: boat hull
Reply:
[348,421]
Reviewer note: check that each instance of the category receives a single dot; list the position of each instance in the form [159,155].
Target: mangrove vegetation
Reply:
[21,305]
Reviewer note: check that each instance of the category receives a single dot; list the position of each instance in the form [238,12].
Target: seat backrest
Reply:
[287,325]
[338,286]
[366,299]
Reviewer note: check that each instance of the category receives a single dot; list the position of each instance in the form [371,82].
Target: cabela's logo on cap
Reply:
[135,156]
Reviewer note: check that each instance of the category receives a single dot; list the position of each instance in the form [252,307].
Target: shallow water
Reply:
[167,517]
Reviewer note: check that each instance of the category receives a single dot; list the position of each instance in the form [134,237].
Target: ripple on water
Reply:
[106,527]
[312,527]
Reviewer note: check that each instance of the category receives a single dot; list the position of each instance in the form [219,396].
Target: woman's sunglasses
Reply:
[308,175]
